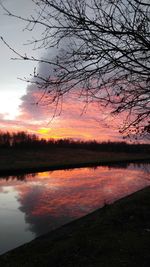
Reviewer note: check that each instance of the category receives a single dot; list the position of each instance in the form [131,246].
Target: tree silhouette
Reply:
[102,51]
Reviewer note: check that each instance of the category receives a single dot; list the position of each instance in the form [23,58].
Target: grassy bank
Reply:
[117,235]
[27,160]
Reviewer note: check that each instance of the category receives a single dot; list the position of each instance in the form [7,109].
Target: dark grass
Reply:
[15,161]
[117,235]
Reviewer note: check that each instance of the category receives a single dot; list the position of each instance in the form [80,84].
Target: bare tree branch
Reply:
[106,56]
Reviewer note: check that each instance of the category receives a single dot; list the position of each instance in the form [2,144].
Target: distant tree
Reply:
[106,56]
[5,139]
[23,139]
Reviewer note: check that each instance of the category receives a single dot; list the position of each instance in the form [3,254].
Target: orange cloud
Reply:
[76,120]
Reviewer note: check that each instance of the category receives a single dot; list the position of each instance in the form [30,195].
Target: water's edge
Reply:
[29,170]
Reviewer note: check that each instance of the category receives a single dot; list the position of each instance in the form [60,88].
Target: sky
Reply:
[17,98]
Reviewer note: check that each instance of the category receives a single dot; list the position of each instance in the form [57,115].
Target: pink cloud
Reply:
[76,119]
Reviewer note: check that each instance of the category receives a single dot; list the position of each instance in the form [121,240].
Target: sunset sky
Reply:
[17,98]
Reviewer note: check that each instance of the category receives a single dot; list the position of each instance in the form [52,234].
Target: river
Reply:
[33,204]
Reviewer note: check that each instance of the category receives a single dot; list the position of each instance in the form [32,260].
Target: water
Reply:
[31,205]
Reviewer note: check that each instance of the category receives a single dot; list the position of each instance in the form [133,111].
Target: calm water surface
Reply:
[34,204]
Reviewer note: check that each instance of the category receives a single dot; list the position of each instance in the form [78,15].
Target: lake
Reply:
[33,204]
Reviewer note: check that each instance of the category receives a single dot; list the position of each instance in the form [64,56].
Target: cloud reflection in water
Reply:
[51,199]
[37,203]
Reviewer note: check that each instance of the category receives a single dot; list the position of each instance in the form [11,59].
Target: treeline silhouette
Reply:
[23,140]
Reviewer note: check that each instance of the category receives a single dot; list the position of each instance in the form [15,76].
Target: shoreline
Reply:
[17,162]
[115,235]
[55,167]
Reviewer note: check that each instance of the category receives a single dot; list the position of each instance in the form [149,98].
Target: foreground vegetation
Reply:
[116,235]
